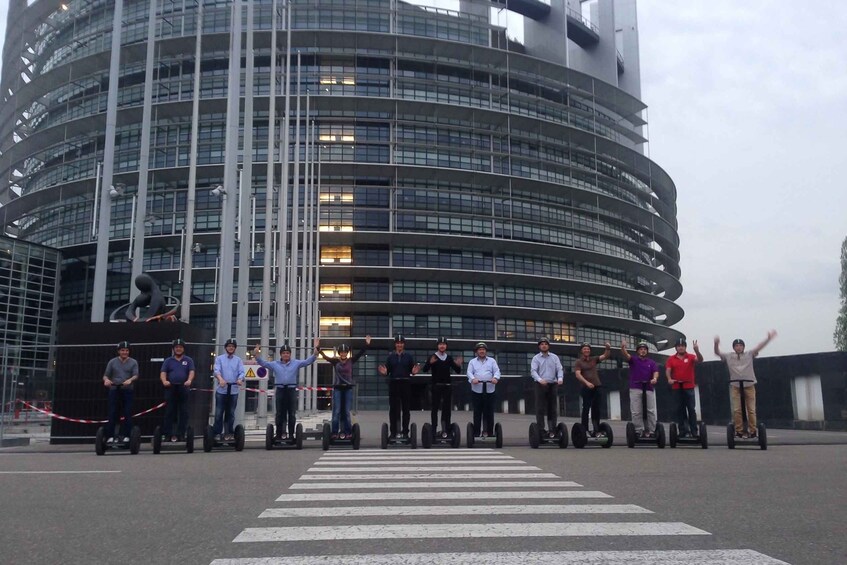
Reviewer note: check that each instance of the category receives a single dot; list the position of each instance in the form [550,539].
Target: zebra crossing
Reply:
[369,497]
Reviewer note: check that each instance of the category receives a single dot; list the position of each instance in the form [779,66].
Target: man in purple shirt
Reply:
[643,375]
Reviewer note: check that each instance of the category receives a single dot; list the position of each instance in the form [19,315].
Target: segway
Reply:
[353,439]
[286,442]
[430,436]
[211,442]
[540,437]
[159,441]
[102,444]
[633,438]
[581,438]
[385,439]
[761,438]
[701,439]
[479,436]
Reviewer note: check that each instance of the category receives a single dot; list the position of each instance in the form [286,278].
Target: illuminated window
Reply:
[335,326]
[340,254]
[336,291]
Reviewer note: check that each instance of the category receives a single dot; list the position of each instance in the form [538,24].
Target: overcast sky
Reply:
[748,114]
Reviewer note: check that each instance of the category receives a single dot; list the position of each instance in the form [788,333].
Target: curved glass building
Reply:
[460,169]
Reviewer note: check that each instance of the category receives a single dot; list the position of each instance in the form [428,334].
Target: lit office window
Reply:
[339,254]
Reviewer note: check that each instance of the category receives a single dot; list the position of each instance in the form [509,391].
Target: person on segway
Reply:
[120,373]
[483,374]
[342,374]
[229,373]
[441,363]
[586,372]
[679,370]
[399,367]
[547,372]
[642,370]
[177,374]
[285,373]
[740,366]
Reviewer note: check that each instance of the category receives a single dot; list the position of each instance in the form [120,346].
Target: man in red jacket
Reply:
[679,371]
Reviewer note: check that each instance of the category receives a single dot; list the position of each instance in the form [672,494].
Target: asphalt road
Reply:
[742,506]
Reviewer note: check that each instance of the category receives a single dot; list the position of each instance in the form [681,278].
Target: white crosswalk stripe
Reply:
[503,486]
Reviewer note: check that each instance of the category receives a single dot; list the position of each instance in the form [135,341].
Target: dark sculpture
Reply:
[150,305]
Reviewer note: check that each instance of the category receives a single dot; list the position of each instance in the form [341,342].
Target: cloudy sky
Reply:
[748,113]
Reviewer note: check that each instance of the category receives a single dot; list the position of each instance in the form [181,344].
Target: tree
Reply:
[840,335]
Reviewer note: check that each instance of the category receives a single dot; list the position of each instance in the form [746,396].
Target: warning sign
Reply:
[250,373]
[254,371]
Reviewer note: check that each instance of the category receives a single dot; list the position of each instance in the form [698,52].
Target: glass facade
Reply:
[467,186]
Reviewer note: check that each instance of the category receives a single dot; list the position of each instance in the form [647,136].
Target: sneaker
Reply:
[592,434]
[551,435]
[753,435]
[126,439]
[334,436]
[651,435]
[443,435]
[110,440]
[174,439]
[284,437]
[600,434]
[739,435]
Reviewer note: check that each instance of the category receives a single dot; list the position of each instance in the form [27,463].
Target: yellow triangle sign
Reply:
[250,373]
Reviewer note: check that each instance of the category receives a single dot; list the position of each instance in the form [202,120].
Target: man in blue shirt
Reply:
[177,374]
[230,373]
[285,373]
[399,367]
[483,374]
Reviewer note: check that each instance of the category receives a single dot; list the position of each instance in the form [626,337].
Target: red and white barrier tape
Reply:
[83,421]
[271,392]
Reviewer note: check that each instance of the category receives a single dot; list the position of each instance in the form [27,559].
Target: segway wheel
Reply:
[239,438]
[534,435]
[498,434]
[610,437]
[413,436]
[762,431]
[674,433]
[326,436]
[730,436]
[630,435]
[208,440]
[100,441]
[562,433]
[579,436]
[470,431]
[269,437]
[455,436]
[383,436]
[189,439]
[357,436]
[704,435]
[157,440]
[135,440]
[660,435]
[426,436]
[298,436]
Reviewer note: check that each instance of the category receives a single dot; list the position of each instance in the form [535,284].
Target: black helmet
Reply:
[399,339]
[343,348]
[642,344]
[543,340]
[480,345]
[441,340]
[231,342]
[123,345]
[285,347]
[584,344]
[680,341]
[738,341]
[178,341]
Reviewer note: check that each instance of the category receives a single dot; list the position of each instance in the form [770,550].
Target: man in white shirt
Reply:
[483,374]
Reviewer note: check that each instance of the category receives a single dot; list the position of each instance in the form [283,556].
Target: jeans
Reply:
[547,404]
[177,409]
[749,401]
[686,404]
[399,401]
[590,403]
[286,408]
[635,400]
[221,410]
[442,399]
[341,418]
[125,395]
[483,412]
